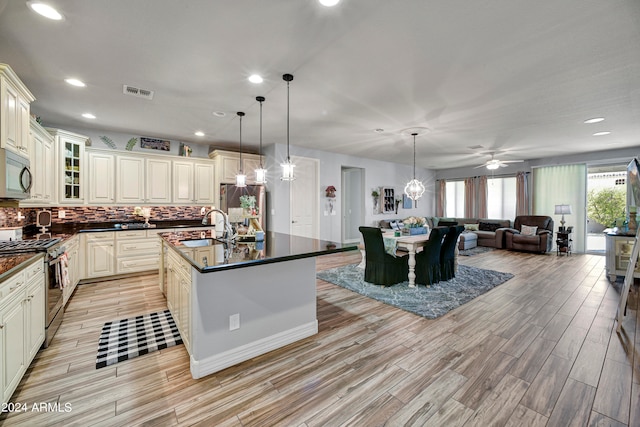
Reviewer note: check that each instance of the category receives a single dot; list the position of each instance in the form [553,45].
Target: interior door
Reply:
[352,202]
[305,198]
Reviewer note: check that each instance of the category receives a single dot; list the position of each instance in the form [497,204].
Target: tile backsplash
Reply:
[74,214]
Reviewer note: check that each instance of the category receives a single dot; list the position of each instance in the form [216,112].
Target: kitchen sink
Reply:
[197,242]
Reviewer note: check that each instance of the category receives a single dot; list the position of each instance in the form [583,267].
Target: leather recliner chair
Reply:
[541,242]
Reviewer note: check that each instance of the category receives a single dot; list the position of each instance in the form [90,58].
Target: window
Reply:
[501,198]
[454,199]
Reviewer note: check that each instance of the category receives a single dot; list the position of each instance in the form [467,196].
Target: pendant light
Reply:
[414,188]
[287,166]
[261,172]
[241,178]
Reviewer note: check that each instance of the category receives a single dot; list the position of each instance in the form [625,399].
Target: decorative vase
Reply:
[633,223]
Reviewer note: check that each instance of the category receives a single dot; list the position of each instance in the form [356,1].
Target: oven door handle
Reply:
[54,261]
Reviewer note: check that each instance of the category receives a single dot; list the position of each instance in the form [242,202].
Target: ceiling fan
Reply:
[494,163]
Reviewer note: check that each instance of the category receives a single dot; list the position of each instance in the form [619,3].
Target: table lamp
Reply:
[562,210]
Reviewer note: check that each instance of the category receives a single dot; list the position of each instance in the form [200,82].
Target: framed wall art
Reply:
[155,144]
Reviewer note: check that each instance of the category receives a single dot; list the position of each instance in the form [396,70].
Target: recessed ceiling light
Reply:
[75,82]
[44,10]
[379,130]
[88,116]
[199,133]
[606,132]
[594,120]
[219,113]
[329,3]
[255,78]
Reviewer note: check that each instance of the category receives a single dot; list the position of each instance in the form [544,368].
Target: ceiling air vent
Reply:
[140,93]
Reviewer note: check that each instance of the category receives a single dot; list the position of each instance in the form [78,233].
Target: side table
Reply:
[564,241]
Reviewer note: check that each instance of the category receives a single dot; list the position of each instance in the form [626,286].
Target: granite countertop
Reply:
[276,247]
[10,264]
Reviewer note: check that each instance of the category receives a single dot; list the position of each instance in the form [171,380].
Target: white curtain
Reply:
[563,185]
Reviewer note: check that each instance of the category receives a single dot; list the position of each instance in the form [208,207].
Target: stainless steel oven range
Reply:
[54,271]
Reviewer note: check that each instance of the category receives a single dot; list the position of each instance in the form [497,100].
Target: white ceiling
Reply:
[514,76]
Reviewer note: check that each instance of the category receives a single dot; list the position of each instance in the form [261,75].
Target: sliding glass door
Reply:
[563,185]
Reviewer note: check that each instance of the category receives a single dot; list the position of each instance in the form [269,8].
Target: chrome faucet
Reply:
[228,230]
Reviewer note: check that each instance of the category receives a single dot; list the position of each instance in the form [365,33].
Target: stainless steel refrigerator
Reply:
[230,198]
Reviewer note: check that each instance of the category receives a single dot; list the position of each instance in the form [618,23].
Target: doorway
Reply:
[304,189]
[604,182]
[352,203]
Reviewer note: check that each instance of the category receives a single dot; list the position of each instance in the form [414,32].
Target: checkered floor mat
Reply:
[129,338]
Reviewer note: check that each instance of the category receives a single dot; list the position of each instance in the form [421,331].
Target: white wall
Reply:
[377,174]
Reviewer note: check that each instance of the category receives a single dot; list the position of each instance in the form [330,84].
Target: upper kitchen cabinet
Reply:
[193,182]
[129,179]
[101,177]
[228,164]
[15,100]
[71,176]
[42,166]
[142,180]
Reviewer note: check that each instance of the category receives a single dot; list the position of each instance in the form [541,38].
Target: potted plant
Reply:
[248,204]
[375,196]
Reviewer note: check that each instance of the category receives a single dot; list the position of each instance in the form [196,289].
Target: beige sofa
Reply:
[490,231]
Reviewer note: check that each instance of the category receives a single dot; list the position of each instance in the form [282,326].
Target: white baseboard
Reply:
[218,362]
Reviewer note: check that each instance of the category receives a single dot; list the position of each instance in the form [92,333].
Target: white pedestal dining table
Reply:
[411,244]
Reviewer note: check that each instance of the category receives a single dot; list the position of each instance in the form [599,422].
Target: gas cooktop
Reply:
[18,246]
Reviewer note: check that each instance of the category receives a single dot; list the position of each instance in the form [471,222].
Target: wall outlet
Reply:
[203,234]
[202,210]
[234,322]
[62,214]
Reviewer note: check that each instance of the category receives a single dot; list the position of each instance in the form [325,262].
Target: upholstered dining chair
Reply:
[448,253]
[428,260]
[380,267]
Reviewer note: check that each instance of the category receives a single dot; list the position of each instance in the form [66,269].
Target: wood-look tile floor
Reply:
[538,350]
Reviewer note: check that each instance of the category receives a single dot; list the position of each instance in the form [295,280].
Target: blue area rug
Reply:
[431,302]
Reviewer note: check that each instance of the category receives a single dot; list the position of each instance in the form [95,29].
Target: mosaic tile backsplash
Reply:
[9,216]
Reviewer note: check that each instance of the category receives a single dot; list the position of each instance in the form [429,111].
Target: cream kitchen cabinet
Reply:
[178,293]
[101,177]
[99,250]
[137,251]
[204,184]
[15,101]
[72,247]
[129,179]
[42,166]
[193,182]
[228,164]
[22,323]
[158,181]
[71,175]
[35,313]
[143,180]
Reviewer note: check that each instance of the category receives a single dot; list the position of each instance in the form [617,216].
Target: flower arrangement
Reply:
[247,202]
[414,222]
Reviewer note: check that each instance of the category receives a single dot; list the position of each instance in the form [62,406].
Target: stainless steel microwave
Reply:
[15,182]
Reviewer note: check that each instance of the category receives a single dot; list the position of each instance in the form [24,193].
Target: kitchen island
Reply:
[235,301]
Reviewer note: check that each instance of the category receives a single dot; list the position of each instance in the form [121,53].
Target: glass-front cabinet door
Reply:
[72,164]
